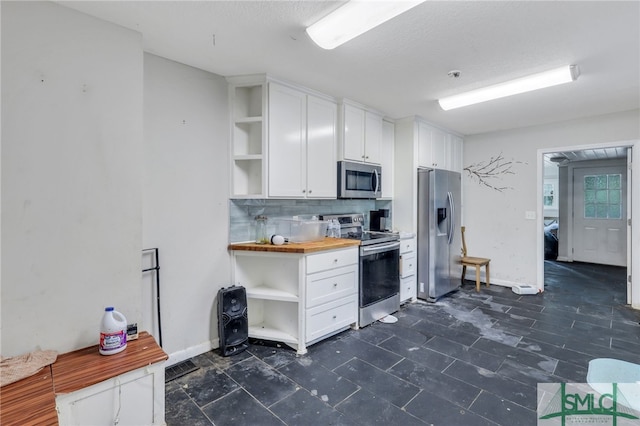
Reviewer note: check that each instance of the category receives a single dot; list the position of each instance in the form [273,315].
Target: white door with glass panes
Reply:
[600,215]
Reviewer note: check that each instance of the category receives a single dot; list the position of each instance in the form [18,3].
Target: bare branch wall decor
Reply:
[488,173]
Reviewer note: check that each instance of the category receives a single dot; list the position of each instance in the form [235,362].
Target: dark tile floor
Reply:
[469,359]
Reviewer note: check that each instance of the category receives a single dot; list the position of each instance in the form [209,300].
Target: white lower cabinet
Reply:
[408,287]
[325,320]
[298,299]
[134,398]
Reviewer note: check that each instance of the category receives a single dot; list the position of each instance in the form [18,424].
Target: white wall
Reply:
[71,175]
[186,195]
[496,224]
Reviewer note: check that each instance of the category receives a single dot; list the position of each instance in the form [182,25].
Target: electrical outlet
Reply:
[530,215]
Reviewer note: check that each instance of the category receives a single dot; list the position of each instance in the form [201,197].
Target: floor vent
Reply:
[179,370]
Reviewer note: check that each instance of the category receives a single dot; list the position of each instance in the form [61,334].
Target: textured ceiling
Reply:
[400,67]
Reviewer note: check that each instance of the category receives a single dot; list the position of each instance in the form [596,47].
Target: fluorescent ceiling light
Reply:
[355,18]
[550,78]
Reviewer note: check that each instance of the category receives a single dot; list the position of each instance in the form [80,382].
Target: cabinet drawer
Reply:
[331,260]
[325,319]
[408,289]
[408,245]
[323,287]
[407,265]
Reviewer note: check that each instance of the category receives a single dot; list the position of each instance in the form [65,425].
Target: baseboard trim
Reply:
[192,351]
[494,281]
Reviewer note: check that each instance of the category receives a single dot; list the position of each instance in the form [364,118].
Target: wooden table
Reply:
[85,367]
[31,401]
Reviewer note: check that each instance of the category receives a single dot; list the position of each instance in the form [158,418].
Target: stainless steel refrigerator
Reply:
[439,238]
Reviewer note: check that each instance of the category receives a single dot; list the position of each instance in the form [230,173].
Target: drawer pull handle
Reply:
[335,316]
[335,260]
[335,284]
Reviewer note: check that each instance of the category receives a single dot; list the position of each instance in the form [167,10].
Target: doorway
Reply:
[590,183]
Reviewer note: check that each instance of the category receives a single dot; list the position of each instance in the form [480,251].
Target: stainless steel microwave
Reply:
[359,180]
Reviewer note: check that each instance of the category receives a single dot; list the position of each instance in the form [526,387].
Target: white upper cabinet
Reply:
[302,144]
[283,141]
[353,133]
[454,160]
[372,137]
[287,142]
[438,149]
[387,158]
[322,141]
[361,134]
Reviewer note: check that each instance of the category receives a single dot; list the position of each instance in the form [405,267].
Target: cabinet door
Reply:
[408,288]
[353,136]
[432,147]
[287,142]
[454,150]
[387,154]
[135,398]
[439,148]
[322,116]
[407,265]
[372,138]
[330,317]
[424,145]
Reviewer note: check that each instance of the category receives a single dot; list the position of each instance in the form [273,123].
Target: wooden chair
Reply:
[476,262]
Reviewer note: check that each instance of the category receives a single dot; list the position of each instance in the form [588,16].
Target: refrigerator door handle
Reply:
[452,216]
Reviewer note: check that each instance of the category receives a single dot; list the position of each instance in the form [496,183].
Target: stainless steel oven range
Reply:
[379,284]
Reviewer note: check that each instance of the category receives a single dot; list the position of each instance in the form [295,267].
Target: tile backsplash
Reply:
[242,212]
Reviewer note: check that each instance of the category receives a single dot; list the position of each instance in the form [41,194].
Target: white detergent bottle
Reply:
[113,332]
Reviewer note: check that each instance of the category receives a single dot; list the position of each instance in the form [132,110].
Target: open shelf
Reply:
[269,293]
[247,157]
[247,175]
[248,101]
[247,147]
[266,332]
[247,136]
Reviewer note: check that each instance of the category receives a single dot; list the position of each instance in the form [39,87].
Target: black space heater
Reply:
[233,325]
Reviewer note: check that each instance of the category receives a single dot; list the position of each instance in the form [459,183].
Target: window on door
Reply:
[603,196]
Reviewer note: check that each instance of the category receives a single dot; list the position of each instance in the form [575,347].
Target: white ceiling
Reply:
[400,67]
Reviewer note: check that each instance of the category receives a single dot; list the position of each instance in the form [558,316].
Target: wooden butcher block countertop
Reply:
[309,247]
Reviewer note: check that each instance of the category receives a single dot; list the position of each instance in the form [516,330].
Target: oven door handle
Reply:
[380,248]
